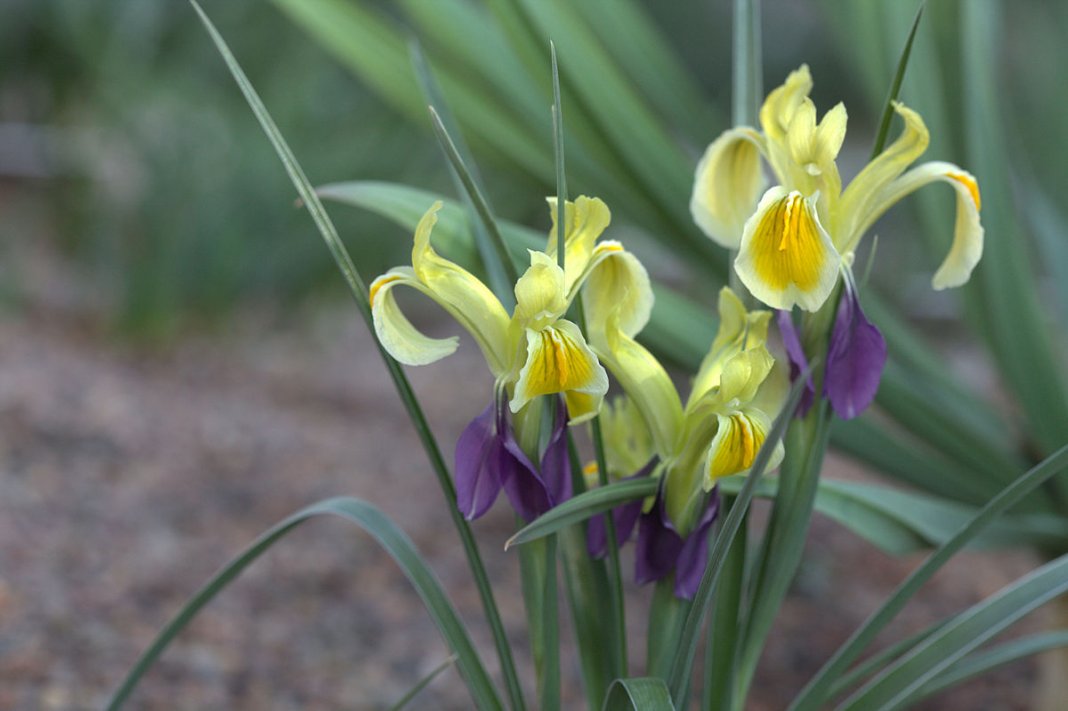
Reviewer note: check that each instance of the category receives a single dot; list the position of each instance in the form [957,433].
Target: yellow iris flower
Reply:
[535,351]
[794,238]
[737,391]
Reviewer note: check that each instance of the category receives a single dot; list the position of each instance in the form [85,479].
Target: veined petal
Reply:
[736,444]
[967,247]
[861,204]
[727,184]
[786,257]
[615,281]
[395,332]
[584,221]
[460,293]
[539,293]
[558,361]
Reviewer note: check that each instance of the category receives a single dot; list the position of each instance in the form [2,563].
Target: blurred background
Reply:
[179,365]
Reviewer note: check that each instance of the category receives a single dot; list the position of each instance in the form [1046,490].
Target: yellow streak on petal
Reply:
[736,447]
[558,365]
[972,186]
[787,247]
[378,283]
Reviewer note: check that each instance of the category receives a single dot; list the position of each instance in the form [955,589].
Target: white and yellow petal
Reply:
[558,360]
[584,221]
[395,332]
[727,184]
[786,256]
[967,247]
[460,293]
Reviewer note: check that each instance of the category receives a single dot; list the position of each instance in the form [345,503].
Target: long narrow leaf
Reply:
[422,684]
[816,690]
[358,289]
[391,538]
[895,685]
[639,694]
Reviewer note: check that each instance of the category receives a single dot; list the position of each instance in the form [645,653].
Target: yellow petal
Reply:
[738,439]
[395,332]
[645,382]
[628,444]
[615,281]
[727,184]
[860,205]
[539,293]
[584,221]
[738,330]
[967,247]
[812,149]
[558,361]
[783,101]
[460,293]
[786,257]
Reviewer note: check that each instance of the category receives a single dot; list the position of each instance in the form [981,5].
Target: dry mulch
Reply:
[127,476]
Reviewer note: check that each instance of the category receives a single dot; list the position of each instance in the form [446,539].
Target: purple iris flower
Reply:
[855,359]
[488,458]
[661,550]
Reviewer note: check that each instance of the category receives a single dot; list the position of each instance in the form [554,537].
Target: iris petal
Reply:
[855,359]
[786,257]
[558,360]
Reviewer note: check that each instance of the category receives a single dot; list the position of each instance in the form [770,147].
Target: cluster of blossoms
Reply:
[795,241]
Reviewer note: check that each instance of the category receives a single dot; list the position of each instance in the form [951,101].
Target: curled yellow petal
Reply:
[460,293]
[967,247]
[616,282]
[395,332]
[739,330]
[786,257]
[862,204]
[727,184]
[559,361]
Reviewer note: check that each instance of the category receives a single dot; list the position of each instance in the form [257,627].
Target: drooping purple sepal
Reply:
[530,492]
[855,359]
[791,340]
[478,465]
[661,550]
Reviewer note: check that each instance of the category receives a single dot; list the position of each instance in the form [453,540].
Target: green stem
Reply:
[723,640]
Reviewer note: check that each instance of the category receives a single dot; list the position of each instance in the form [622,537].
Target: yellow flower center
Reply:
[786,245]
[559,365]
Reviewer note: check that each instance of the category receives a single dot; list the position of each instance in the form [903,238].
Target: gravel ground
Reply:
[128,475]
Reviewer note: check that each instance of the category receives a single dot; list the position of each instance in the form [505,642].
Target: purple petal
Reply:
[791,340]
[477,478]
[693,558]
[556,463]
[658,546]
[525,488]
[855,359]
